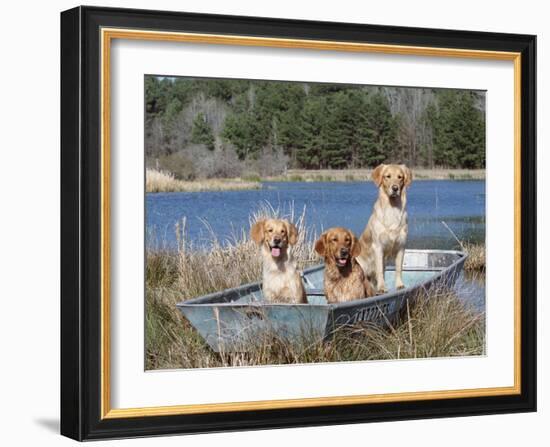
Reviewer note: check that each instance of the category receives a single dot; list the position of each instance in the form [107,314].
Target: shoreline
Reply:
[159,181]
[355,175]
[208,185]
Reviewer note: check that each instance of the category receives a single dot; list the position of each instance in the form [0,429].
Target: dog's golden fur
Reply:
[281,280]
[344,280]
[386,232]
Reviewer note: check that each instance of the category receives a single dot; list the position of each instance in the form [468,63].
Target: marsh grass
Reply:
[361,175]
[437,324]
[476,257]
[164,181]
[461,176]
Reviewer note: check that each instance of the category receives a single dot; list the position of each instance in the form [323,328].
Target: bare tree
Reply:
[409,106]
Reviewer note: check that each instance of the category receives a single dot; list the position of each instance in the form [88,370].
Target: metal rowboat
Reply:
[236,319]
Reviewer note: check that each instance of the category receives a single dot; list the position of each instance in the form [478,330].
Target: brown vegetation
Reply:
[163,181]
[359,175]
[476,257]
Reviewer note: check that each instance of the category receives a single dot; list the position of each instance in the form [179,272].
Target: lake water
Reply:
[460,204]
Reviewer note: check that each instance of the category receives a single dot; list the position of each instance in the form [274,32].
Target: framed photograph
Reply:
[275,223]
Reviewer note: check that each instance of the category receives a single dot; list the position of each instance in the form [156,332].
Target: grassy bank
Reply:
[351,175]
[162,181]
[437,325]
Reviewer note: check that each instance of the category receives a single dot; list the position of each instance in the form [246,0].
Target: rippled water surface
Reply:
[460,204]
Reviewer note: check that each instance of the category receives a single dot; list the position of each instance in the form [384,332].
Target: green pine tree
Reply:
[310,144]
[459,131]
[201,133]
[380,134]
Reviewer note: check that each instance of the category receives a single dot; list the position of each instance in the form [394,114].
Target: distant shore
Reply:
[357,175]
[163,181]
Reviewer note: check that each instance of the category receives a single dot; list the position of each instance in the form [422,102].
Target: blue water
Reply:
[460,204]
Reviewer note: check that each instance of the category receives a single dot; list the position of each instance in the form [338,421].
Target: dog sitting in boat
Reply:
[281,280]
[344,279]
[385,235]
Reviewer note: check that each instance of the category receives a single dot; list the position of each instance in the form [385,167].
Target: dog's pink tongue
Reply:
[275,251]
[342,261]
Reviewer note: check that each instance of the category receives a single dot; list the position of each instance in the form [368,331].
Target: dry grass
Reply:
[476,257]
[439,325]
[164,181]
[342,175]
[436,325]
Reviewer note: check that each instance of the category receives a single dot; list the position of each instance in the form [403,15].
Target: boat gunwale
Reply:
[378,299]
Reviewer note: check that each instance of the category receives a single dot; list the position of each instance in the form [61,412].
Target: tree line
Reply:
[228,124]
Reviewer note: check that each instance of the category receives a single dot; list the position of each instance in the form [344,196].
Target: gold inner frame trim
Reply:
[107,35]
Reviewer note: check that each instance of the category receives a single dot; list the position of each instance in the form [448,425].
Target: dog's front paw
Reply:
[400,286]
[381,291]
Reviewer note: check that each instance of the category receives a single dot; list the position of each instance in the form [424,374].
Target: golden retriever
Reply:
[281,281]
[344,278]
[385,235]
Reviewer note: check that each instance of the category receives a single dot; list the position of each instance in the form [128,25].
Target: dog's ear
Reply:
[320,245]
[377,174]
[355,246]
[257,231]
[408,175]
[292,232]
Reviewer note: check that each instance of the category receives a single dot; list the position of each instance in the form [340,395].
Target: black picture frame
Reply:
[81,208]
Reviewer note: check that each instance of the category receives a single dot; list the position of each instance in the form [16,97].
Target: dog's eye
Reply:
[270,230]
[388,176]
[399,177]
[334,239]
[282,231]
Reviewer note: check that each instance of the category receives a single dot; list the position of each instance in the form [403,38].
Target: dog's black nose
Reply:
[277,240]
[395,188]
[344,251]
